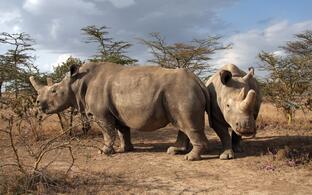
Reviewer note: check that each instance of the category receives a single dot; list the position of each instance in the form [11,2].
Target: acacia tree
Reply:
[108,49]
[193,56]
[289,81]
[301,52]
[17,62]
[4,71]
[62,69]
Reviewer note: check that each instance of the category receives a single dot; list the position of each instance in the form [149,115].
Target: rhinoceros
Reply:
[235,103]
[142,98]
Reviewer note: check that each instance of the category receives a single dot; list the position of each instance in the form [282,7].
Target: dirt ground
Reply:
[150,170]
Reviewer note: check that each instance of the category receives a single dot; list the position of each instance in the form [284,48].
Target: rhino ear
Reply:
[49,81]
[250,74]
[74,69]
[225,76]
[34,83]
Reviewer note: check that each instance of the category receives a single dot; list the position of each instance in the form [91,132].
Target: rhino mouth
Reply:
[44,107]
[248,134]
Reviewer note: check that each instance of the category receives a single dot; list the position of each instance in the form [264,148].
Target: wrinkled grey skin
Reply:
[143,98]
[235,103]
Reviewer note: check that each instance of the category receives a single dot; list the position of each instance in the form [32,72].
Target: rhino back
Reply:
[143,97]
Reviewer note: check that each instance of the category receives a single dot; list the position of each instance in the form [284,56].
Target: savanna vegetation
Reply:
[58,153]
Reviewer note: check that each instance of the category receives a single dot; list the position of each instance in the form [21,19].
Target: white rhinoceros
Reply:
[143,98]
[235,103]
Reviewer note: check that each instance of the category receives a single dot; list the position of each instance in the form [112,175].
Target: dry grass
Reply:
[278,160]
[271,116]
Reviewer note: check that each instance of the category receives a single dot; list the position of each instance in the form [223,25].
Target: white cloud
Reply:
[119,3]
[122,3]
[16,29]
[247,45]
[56,24]
[61,58]
[6,17]
[55,27]
[32,5]
[47,60]
[280,53]
[54,7]
[10,21]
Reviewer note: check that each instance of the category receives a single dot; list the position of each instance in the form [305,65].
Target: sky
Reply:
[251,26]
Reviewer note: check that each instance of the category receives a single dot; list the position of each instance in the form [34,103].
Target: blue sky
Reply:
[254,26]
[250,25]
[247,14]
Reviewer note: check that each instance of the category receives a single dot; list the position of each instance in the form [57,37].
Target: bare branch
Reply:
[192,56]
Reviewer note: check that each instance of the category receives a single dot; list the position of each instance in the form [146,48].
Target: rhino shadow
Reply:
[263,145]
[161,140]
[251,147]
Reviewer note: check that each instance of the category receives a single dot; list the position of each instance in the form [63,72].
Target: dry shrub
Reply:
[272,117]
[293,157]
[23,109]
[25,177]
[277,158]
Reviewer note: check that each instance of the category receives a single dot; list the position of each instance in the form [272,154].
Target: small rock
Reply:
[282,153]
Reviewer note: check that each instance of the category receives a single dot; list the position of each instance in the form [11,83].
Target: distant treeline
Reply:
[288,85]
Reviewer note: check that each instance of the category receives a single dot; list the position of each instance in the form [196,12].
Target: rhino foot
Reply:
[227,154]
[107,150]
[191,156]
[125,149]
[176,150]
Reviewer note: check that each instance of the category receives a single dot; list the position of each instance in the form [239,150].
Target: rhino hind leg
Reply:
[199,141]
[236,140]
[192,128]
[125,139]
[181,146]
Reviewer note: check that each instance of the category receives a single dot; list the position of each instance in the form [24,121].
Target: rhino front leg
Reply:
[236,140]
[86,125]
[125,139]
[225,137]
[181,146]
[109,135]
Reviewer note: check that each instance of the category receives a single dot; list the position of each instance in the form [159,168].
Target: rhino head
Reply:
[237,102]
[53,98]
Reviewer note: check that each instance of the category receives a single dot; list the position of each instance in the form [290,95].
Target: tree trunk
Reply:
[1,82]
[16,89]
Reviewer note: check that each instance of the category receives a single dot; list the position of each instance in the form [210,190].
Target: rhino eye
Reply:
[53,90]
[227,105]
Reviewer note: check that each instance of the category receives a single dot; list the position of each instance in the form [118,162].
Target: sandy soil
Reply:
[150,170]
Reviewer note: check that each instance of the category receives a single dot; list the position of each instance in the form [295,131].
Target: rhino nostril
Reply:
[38,102]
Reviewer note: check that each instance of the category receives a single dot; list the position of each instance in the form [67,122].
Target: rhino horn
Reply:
[241,95]
[249,101]
[49,81]
[250,74]
[36,85]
